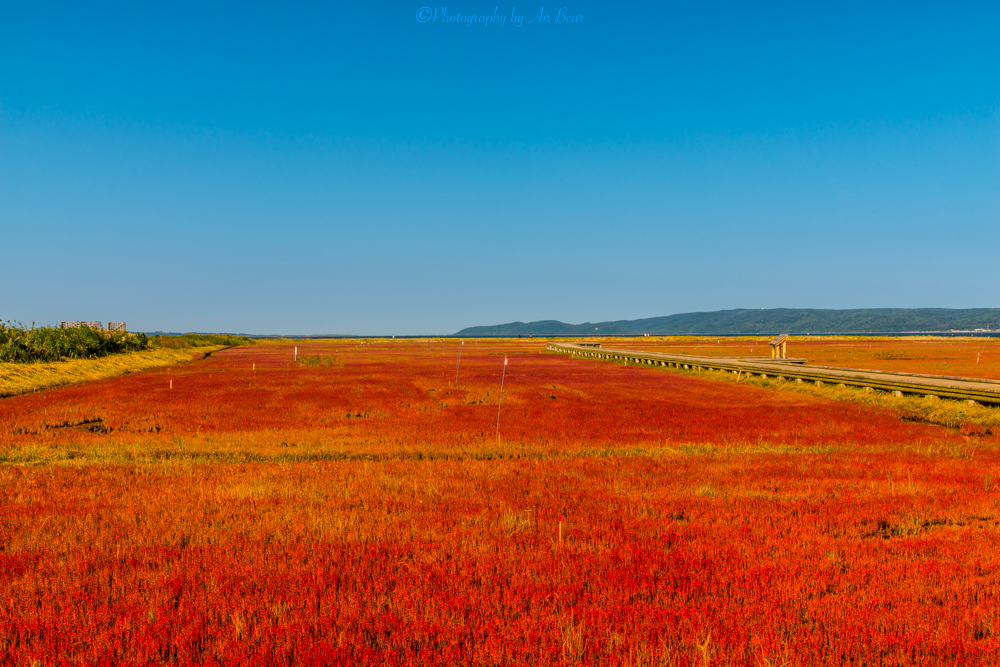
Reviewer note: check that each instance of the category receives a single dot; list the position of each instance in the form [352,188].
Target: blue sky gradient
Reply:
[345,168]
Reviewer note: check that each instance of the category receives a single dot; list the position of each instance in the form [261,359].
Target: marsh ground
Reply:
[358,508]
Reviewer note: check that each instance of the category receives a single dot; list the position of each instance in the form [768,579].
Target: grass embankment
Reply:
[42,358]
[201,340]
[23,378]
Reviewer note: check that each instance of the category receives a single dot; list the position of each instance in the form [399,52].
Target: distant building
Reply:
[112,326]
[76,325]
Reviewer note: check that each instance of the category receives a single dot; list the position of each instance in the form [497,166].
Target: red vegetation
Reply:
[392,395]
[363,512]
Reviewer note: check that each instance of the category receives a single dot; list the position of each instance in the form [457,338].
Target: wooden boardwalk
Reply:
[967,389]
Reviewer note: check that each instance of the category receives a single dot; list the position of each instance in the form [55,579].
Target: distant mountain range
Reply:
[763,321]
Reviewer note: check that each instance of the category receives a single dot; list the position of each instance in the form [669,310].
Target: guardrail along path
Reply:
[967,389]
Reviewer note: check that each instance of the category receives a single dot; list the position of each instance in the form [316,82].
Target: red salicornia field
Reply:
[356,507]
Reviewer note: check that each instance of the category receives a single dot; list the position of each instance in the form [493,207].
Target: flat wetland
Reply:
[357,506]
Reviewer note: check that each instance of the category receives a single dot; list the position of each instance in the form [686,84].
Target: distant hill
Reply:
[764,321]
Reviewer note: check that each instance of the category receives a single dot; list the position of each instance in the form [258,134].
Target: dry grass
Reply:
[24,378]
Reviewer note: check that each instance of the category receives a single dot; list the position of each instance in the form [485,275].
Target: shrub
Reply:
[18,344]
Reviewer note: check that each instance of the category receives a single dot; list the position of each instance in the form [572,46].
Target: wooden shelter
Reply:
[779,347]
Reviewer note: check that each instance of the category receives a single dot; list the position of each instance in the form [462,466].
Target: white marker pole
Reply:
[296,353]
[500,403]
[458,364]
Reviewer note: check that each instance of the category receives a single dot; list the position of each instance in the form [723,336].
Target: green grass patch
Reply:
[320,360]
[201,340]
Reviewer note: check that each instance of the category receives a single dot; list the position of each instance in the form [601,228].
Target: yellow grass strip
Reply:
[23,378]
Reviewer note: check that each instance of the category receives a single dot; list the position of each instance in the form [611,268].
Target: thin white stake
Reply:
[458,364]
[296,353]
[500,403]
[980,353]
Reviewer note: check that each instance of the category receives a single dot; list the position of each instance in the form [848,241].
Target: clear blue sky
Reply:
[347,168]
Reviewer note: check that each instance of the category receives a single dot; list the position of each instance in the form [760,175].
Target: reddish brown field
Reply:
[364,512]
[965,357]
